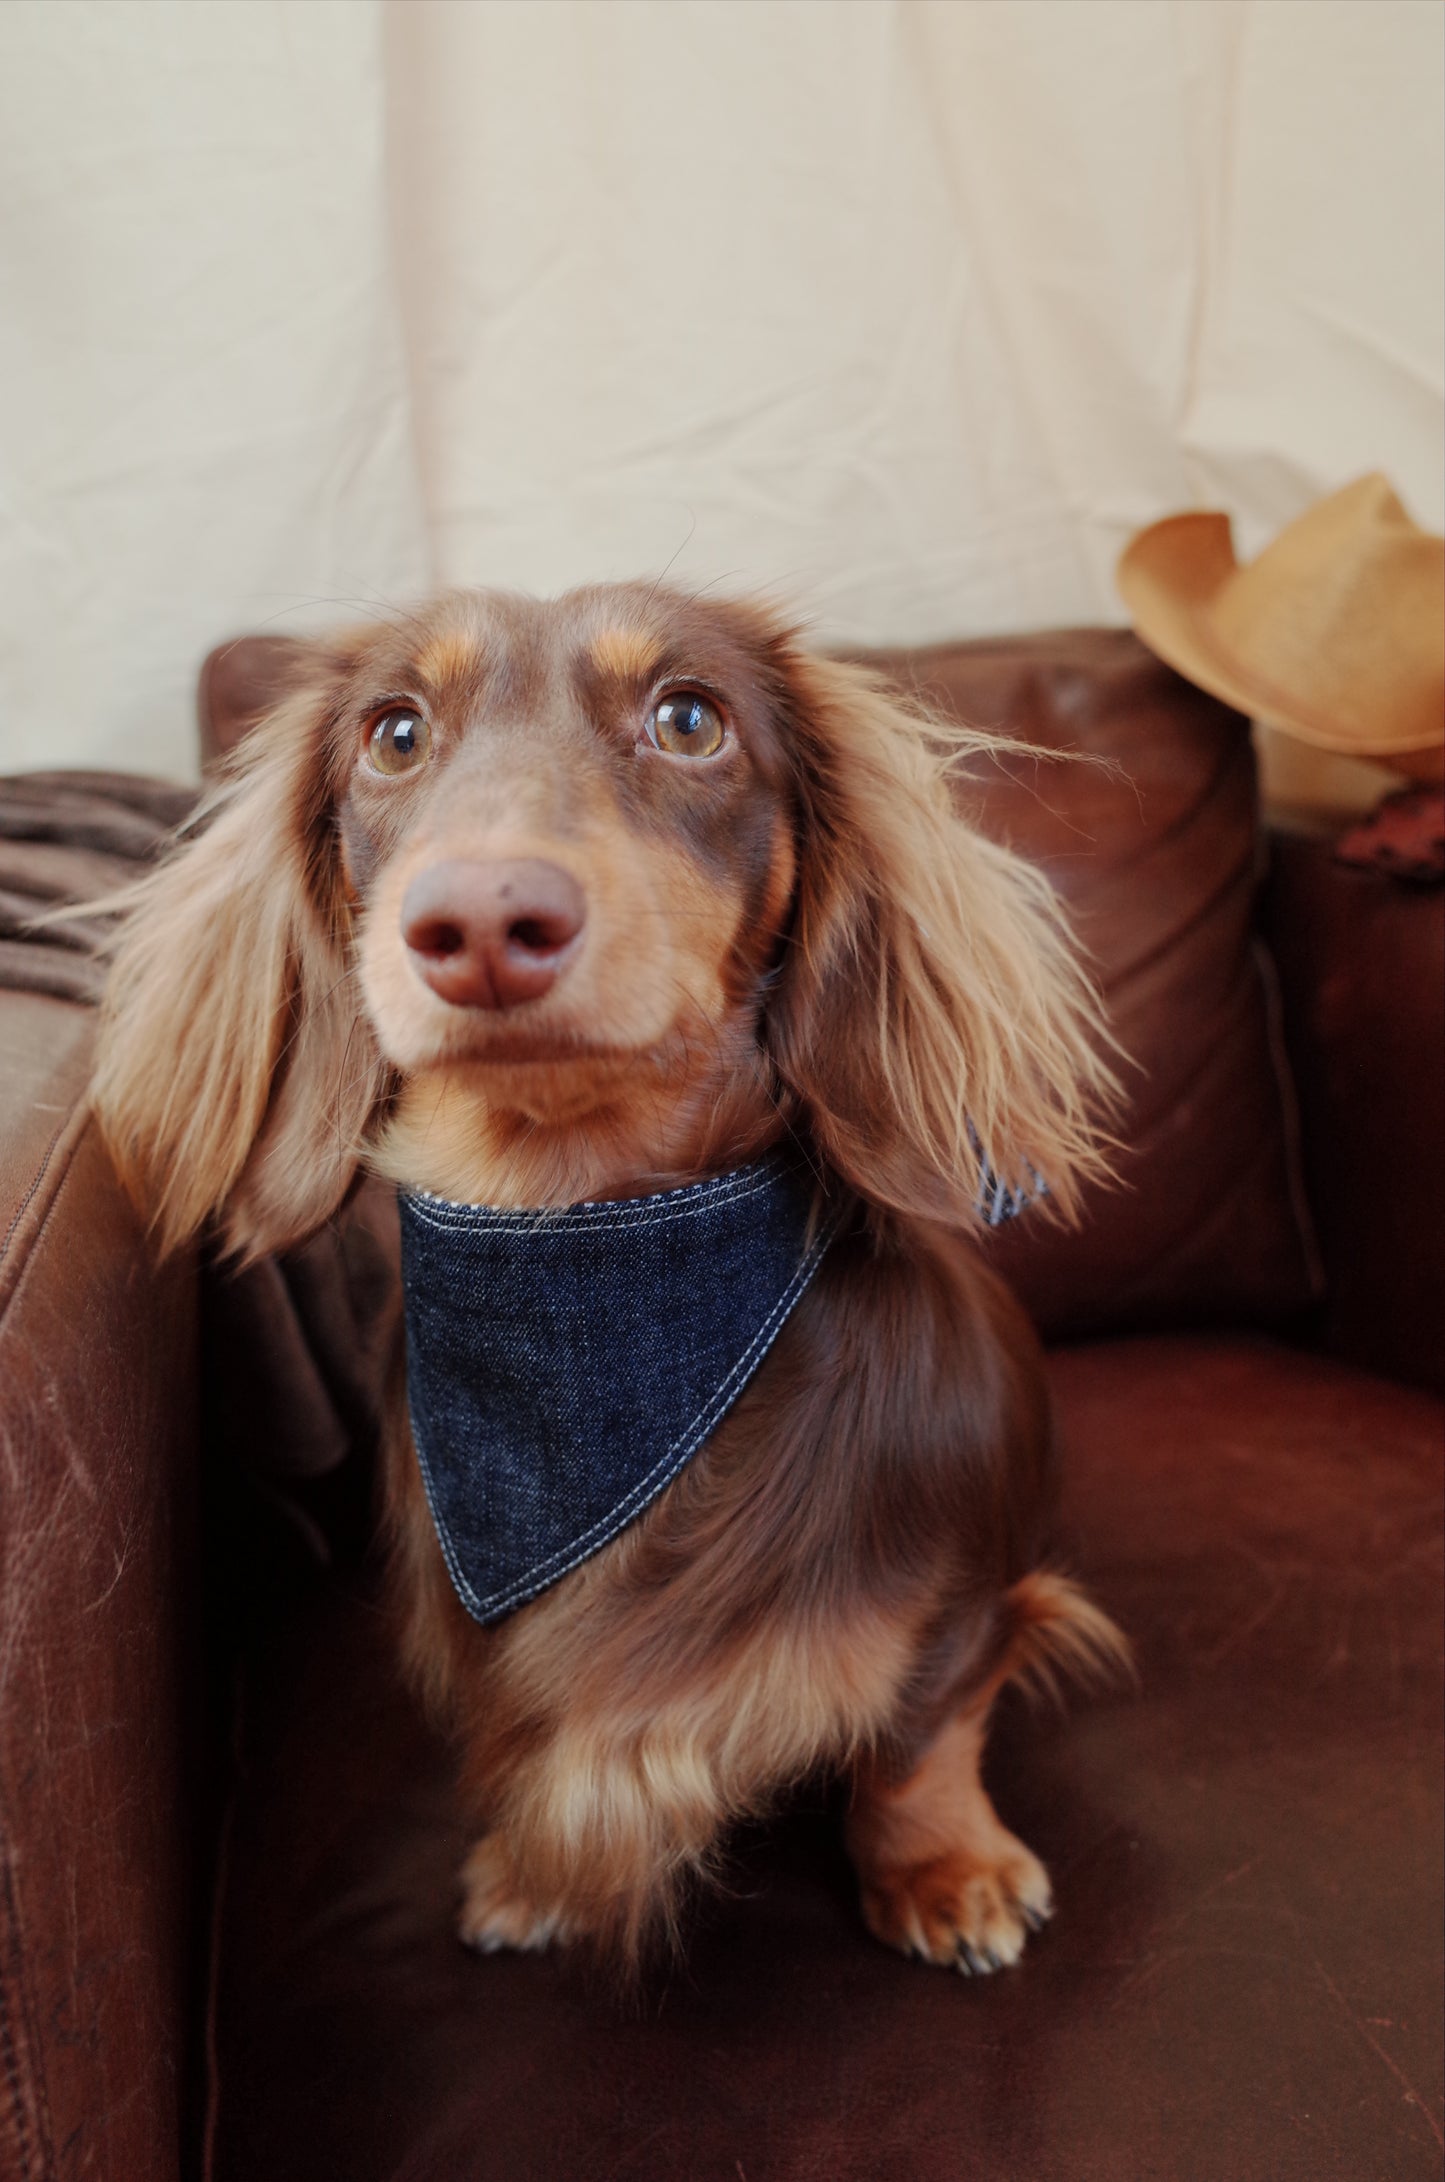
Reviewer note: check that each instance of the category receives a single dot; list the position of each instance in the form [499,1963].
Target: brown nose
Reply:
[492,935]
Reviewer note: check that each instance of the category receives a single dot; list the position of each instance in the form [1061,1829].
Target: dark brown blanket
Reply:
[73,837]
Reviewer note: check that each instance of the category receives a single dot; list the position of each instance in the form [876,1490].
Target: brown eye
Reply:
[400,741]
[686,725]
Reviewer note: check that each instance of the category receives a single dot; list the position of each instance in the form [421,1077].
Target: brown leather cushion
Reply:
[1243,1977]
[1157,851]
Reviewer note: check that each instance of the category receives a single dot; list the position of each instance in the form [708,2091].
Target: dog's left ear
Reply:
[930,1013]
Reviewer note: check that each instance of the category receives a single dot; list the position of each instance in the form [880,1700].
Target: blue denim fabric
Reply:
[563,1365]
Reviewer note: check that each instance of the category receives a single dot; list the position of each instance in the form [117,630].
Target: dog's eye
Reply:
[686,725]
[400,741]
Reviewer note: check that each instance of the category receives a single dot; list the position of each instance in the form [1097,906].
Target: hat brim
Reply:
[1170,577]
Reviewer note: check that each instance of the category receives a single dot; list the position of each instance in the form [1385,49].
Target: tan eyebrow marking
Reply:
[625,653]
[450,656]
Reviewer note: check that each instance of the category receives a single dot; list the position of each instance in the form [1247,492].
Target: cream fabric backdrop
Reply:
[908,310]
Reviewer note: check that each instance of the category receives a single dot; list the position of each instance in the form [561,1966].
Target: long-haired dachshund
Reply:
[585,904]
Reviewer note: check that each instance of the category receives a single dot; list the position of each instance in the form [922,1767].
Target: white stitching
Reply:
[444,1213]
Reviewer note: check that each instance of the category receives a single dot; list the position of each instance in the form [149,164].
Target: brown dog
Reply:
[526,905]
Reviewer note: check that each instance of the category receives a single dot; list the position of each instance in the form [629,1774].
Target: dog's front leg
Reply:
[496,1911]
[942,1878]
[593,1838]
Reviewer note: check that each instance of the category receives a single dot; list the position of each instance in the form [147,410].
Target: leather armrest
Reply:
[99,1634]
[1361,958]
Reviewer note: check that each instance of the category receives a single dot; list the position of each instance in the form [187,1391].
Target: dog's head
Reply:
[628,861]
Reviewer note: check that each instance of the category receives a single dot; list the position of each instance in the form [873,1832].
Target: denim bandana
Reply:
[564,1364]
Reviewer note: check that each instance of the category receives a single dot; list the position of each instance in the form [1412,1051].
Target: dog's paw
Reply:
[964,1911]
[495,1913]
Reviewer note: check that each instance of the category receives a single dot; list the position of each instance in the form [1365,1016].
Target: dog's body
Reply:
[528,905]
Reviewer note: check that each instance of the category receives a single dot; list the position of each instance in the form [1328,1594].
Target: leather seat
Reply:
[1242,1976]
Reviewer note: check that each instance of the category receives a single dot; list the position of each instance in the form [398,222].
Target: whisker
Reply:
[687,541]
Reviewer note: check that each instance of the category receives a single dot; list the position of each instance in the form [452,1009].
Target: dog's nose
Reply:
[492,935]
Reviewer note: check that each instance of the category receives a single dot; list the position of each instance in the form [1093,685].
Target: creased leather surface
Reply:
[1241,1983]
[98,1552]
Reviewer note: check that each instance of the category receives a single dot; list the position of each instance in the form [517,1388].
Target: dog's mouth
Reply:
[485,1045]
[484,1051]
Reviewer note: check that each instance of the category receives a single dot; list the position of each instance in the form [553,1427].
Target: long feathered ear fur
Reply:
[235,1075]
[931,1013]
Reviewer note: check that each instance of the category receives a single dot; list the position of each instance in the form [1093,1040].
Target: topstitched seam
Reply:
[35,1181]
[76,1125]
[675,1204]
[14,2082]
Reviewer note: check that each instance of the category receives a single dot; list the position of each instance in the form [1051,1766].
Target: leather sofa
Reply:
[228,1842]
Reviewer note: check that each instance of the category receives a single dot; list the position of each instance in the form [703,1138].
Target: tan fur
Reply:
[627,653]
[644,1069]
[1060,1636]
[447,657]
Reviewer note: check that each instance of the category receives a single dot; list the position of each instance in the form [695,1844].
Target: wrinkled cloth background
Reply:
[908,310]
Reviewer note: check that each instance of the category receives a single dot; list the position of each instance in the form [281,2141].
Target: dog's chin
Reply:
[544,1080]
[528,1116]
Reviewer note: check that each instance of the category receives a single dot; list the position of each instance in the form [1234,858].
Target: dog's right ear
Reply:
[235,1076]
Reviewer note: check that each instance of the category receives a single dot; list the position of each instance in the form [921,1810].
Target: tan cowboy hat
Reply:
[1335,634]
